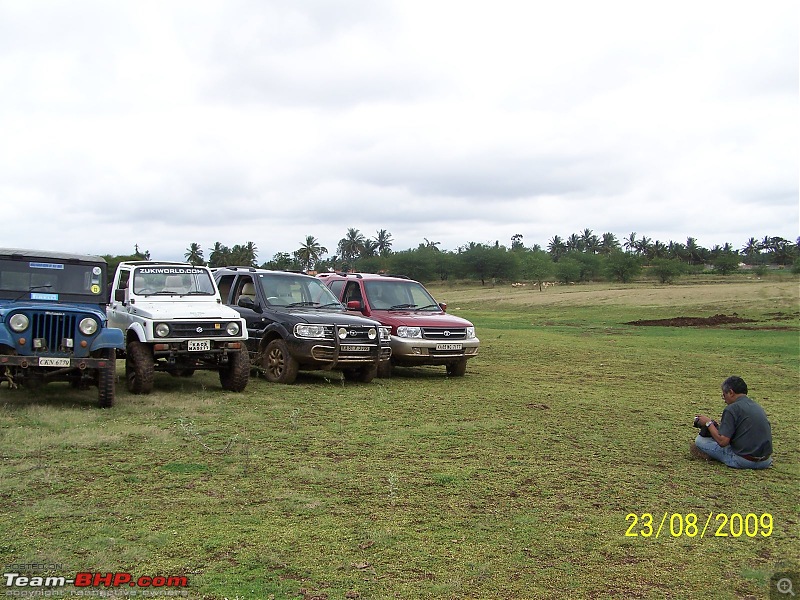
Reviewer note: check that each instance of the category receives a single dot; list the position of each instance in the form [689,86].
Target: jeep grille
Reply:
[190,330]
[53,327]
[444,334]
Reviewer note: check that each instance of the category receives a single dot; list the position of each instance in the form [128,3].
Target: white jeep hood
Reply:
[183,310]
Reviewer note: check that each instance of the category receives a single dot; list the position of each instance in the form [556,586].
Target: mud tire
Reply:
[139,368]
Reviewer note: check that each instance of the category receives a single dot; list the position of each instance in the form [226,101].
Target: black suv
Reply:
[294,322]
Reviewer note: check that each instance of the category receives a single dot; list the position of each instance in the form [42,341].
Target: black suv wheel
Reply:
[277,363]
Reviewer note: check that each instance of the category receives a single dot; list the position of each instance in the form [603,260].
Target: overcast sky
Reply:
[166,123]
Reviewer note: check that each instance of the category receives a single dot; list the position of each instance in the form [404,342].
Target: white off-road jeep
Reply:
[175,322]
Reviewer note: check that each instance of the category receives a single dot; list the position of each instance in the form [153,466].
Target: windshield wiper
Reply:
[301,304]
[33,287]
[402,306]
[329,304]
[436,306]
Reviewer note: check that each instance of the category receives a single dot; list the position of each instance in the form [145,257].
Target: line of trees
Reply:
[582,256]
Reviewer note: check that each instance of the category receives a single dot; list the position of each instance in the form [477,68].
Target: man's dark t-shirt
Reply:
[745,422]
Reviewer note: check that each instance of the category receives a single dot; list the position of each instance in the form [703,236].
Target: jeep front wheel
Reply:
[235,374]
[139,368]
[278,365]
[107,378]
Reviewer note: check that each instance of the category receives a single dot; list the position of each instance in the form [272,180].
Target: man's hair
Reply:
[736,384]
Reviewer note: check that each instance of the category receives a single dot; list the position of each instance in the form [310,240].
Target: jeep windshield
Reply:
[297,291]
[172,281]
[55,280]
[399,295]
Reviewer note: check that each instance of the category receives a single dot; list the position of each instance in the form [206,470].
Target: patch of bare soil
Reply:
[714,321]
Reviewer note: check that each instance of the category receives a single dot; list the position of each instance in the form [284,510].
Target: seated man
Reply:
[743,439]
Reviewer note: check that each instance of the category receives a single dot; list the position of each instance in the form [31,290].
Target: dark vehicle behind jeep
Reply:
[294,323]
[53,324]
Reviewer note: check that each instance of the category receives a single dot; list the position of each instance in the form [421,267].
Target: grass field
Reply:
[519,480]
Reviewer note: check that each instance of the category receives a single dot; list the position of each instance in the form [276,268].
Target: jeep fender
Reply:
[136,330]
[5,337]
[110,337]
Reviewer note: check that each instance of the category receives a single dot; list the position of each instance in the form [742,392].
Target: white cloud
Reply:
[165,124]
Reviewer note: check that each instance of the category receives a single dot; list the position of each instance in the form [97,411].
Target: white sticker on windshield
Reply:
[39,296]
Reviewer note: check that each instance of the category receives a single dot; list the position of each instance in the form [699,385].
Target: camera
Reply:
[702,427]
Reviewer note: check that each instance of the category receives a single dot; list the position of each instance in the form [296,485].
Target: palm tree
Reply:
[643,246]
[220,255]
[310,252]
[430,244]
[609,243]
[630,242]
[368,248]
[591,243]
[384,240]
[751,249]
[244,255]
[194,254]
[556,247]
[351,244]
[574,242]
[659,249]
[693,251]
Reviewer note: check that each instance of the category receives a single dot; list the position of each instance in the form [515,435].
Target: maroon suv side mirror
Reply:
[443,306]
[354,305]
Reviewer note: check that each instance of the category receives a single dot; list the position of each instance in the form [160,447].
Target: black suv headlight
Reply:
[306,330]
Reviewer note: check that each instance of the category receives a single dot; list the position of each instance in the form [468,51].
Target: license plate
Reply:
[53,362]
[351,348]
[449,347]
[199,345]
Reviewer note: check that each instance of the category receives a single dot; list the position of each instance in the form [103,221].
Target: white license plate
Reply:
[199,345]
[351,348]
[449,347]
[53,362]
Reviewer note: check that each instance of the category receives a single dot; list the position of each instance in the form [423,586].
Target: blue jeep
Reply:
[53,321]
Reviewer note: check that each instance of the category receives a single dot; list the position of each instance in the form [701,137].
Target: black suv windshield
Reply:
[51,279]
[300,290]
[152,281]
[398,295]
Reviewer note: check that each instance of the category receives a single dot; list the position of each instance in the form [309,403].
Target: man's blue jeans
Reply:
[727,455]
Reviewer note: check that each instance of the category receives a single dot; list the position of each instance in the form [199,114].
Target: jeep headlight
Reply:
[386,333]
[232,328]
[88,326]
[470,333]
[18,322]
[309,331]
[409,332]
[162,330]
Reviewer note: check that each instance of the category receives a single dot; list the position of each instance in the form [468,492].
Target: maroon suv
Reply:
[422,333]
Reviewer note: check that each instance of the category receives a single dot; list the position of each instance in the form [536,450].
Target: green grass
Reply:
[513,482]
